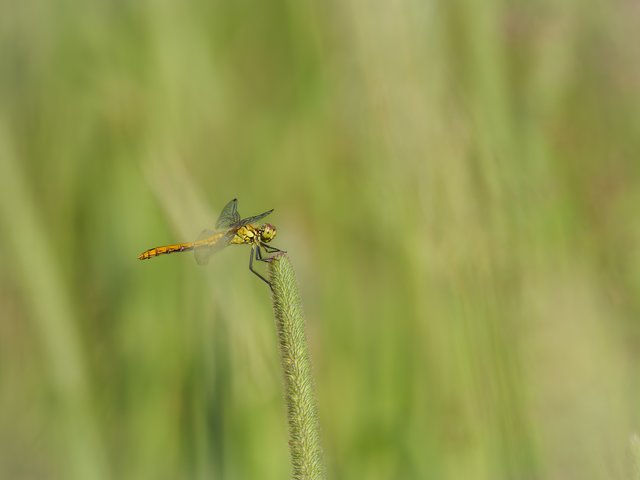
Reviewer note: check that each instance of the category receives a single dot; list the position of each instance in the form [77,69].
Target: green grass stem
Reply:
[302,410]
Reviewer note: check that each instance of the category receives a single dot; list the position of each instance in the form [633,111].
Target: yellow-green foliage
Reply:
[457,183]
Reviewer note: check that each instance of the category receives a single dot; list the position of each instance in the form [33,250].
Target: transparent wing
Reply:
[254,219]
[229,216]
[210,242]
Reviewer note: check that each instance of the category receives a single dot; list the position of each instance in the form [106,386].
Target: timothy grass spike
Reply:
[302,411]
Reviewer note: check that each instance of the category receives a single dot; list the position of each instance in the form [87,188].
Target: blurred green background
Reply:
[457,184]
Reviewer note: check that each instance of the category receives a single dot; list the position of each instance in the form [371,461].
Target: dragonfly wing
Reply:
[254,219]
[229,216]
[208,243]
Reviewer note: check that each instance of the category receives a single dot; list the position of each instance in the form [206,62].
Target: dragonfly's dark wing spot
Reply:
[229,216]
[202,251]
[254,219]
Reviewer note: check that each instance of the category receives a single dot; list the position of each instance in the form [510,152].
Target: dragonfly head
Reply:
[267,232]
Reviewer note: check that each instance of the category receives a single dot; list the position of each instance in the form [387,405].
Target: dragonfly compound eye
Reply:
[268,232]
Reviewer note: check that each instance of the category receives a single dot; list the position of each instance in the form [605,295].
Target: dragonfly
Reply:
[230,229]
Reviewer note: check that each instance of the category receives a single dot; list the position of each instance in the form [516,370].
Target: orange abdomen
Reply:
[154,252]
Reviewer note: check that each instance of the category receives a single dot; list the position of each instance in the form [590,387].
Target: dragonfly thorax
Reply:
[254,235]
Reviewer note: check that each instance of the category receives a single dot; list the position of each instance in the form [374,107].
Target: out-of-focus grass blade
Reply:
[43,286]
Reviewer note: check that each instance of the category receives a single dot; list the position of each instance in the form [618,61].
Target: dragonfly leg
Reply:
[256,251]
[271,249]
[259,255]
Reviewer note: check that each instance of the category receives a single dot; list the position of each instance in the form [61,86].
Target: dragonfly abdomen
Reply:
[154,252]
